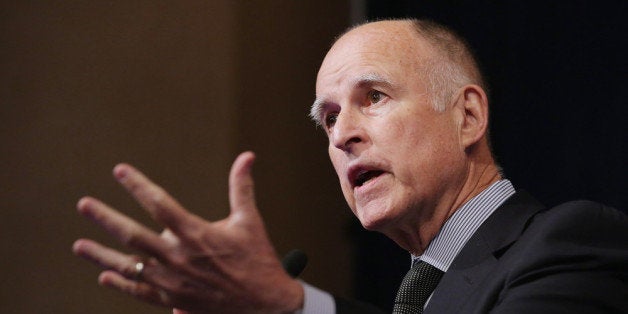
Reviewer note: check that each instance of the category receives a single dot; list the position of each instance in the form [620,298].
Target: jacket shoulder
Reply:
[571,256]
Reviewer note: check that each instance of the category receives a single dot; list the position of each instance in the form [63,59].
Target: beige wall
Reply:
[176,88]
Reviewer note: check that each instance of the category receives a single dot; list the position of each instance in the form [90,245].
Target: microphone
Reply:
[294,262]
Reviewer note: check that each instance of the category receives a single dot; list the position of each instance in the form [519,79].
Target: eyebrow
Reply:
[368,79]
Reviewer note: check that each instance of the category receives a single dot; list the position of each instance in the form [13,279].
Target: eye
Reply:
[375,96]
[330,120]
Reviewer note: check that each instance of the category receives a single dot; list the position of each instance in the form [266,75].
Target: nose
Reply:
[348,131]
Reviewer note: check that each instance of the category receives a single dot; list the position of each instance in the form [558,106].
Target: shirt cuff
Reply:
[316,301]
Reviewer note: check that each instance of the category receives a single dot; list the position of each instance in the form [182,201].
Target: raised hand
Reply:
[194,265]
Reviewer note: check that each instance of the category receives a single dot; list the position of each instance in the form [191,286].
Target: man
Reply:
[404,107]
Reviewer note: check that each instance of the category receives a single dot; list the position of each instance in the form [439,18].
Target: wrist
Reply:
[292,299]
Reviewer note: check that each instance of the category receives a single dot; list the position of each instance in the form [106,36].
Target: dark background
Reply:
[177,88]
[557,77]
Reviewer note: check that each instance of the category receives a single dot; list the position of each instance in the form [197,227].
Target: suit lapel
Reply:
[482,252]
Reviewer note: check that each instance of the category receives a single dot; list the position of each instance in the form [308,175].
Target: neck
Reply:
[481,173]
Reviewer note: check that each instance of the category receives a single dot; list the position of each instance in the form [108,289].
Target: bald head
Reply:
[438,57]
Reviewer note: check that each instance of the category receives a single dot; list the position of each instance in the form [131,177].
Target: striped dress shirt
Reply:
[463,224]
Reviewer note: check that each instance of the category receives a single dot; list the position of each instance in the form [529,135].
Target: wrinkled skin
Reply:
[377,112]
[195,266]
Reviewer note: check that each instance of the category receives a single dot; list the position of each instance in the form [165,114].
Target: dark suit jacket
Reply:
[572,258]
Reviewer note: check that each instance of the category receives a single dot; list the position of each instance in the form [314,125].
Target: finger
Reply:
[125,229]
[152,272]
[241,187]
[106,257]
[138,289]
[170,288]
[161,206]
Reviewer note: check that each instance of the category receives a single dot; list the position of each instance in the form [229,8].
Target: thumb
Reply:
[241,187]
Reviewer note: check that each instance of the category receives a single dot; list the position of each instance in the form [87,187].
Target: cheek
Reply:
[432,133]
[422,151]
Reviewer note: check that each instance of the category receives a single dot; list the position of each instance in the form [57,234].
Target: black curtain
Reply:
[557,77]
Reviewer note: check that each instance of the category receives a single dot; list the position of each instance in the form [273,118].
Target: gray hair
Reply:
[451,67]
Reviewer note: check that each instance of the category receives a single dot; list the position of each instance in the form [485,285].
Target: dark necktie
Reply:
[416,287]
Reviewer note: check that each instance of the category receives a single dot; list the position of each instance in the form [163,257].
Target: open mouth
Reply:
[366,175]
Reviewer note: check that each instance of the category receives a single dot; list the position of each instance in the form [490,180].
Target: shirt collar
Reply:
[463,223]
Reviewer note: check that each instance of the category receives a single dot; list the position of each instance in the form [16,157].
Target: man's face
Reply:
[398,160]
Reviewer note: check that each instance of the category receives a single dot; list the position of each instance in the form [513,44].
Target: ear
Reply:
[473,104]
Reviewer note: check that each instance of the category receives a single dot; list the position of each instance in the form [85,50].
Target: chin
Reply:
[374,220]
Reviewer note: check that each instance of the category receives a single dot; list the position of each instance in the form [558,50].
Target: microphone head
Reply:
[294,262]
